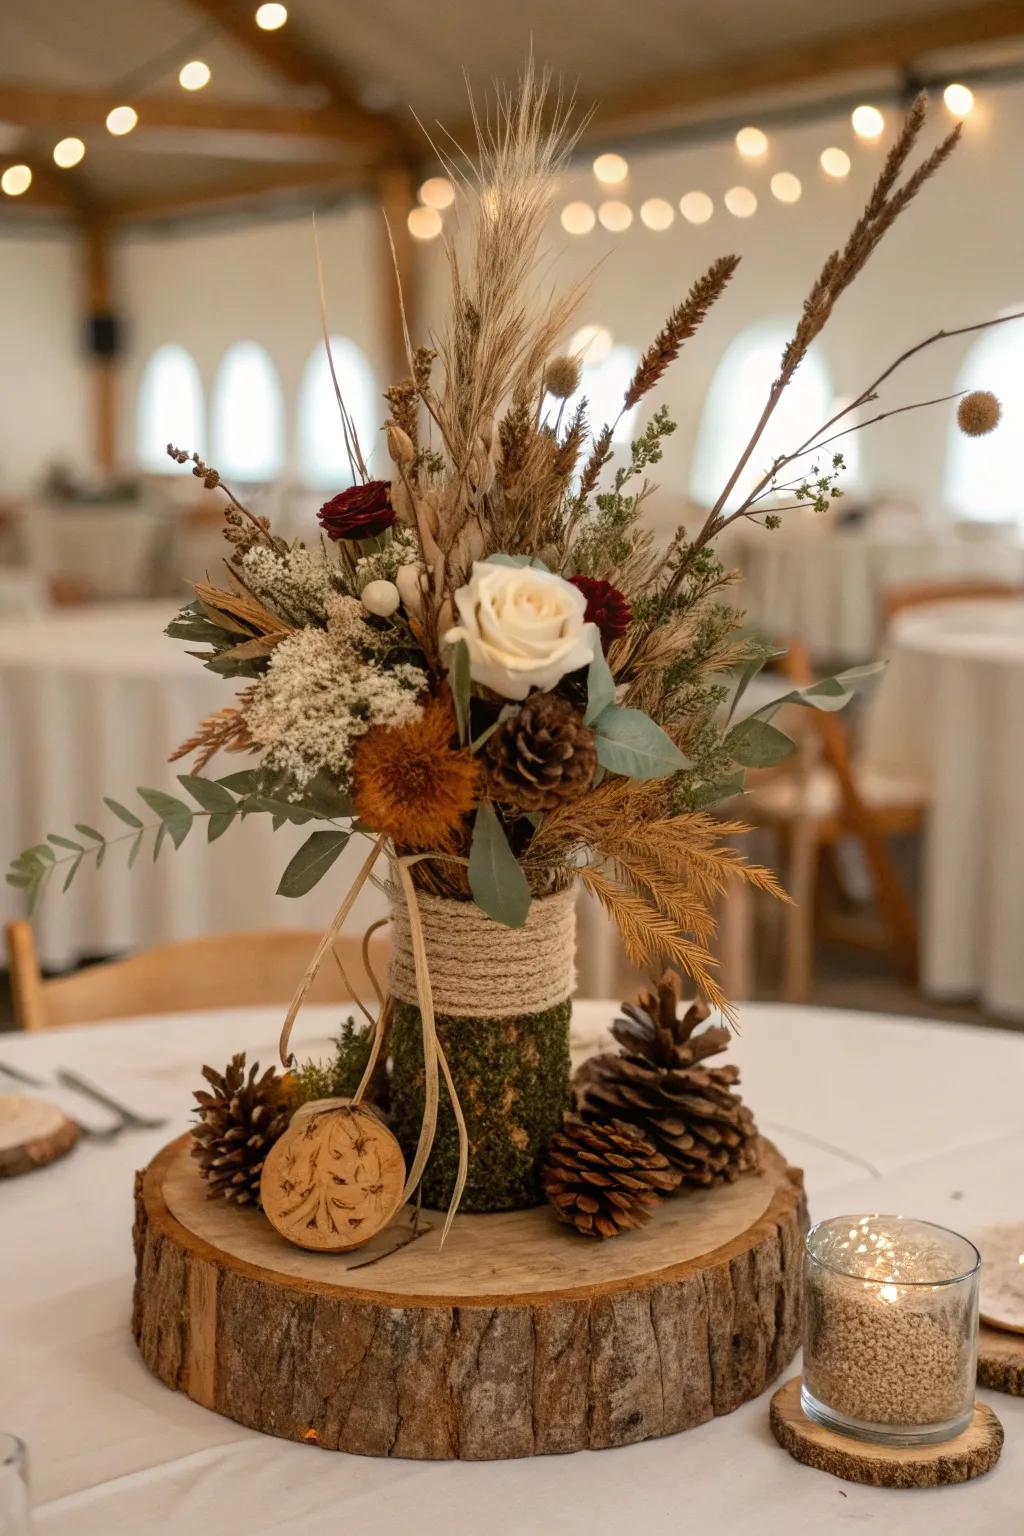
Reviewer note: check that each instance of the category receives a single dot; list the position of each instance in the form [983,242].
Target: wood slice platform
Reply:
[1001,1360]
[969,1455]
[518,1339]
[32,1134]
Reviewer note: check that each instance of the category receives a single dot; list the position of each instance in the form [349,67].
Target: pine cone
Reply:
[238,1124]
[659,1083]
[541,755]
[604,1178]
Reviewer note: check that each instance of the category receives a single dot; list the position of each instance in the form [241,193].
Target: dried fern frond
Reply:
[223,731]
[682,323]
[240,611]
[651,939]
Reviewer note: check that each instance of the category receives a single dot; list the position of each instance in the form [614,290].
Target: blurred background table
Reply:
[949,713]
[826,586]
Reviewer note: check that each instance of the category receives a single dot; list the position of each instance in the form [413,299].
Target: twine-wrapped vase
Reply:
[502,1012]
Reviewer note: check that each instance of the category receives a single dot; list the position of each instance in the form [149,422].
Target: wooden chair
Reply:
[827,798]
[226,971]
[918,593]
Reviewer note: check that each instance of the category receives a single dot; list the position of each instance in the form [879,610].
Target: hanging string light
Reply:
[868,122]
[835,162]
[696,207]
[194,75]
[121,120]
[610,169]
[424,223]
[752,143]
[959,100]
[657,213]
[615,216]
[741,202]
[16,180]
[578,218]
[68,152]
[271,17]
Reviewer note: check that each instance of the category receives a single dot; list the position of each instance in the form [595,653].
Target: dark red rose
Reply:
[606,607]
[361,512]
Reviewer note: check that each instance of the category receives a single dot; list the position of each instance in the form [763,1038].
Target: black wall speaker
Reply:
[104,335]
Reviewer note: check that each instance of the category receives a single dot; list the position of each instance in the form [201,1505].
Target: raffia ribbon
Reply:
[449,957]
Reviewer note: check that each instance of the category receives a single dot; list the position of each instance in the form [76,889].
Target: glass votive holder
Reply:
[890,1329]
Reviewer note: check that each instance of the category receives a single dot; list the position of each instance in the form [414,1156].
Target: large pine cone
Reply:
[238,1124]
[541,755]
[604,1178]
[658,1082]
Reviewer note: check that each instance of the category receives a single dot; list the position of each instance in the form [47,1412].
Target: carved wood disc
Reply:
[333,1180]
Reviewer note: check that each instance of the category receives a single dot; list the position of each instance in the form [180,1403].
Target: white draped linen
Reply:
[949,714]
[826,586]
[884,1114]
[92,701]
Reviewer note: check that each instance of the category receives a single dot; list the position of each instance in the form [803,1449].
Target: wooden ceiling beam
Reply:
[246,191]
[34,107]
[298,62]
[896,44]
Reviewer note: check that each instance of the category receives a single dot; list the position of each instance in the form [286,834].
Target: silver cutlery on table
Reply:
[128,1118]
[18,1076]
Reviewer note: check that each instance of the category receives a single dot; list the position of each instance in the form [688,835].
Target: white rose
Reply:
[524,628]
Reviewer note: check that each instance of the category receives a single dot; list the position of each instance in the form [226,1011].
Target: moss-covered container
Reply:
[512,1079]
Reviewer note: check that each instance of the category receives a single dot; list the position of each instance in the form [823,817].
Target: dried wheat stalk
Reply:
[682,323]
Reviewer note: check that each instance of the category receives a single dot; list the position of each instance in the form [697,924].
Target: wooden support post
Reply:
[396,194]
[98,305]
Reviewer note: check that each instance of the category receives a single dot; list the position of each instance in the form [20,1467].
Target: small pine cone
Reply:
[659,1082]
[603,1178]
[238,1124]
[607,607]
[543,754]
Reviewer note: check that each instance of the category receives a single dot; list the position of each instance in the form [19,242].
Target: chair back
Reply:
[226,971]
[917,593]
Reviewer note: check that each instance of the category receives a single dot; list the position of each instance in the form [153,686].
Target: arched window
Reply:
[323,462]
[248,415]
[734,404]
[983,473]
[607,369]
[170,409]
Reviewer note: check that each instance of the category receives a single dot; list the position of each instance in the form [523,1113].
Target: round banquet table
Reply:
[827,586]
[949,714]
[92,700]
[883,1113]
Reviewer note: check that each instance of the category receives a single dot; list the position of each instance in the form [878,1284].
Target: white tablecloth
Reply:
[110,549]
[949,713]
[826,586]
[92,701]
[934,1109]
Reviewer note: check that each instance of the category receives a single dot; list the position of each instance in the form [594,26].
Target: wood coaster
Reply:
[1001,1360]
[32,1134]
[518,1338]
[334,1179]
[885,1466]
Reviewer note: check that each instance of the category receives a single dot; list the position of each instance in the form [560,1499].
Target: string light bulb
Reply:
[578,218]
[121,120]
[657,213]
[835,162]
[424,223]
[868,122]
[752,143]
[696,207]
[271,16]
[68,152]
[741,202]
[959,99]
[786,187]
[437,192]
[16,180]
[592,343]
[615,216]
[610,169]
[194,75]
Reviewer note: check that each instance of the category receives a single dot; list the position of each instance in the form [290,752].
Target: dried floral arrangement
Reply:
[485,666]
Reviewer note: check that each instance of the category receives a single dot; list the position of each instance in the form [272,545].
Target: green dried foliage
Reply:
[340,1076]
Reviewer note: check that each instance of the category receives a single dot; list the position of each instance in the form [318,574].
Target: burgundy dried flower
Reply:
[606,607]
[361,512]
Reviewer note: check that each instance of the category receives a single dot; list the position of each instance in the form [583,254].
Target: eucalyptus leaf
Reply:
[600,687]
[312,861]
[135,849]
[64,842]
[756,744]
[519,561]
[175,816]
[208,793]
[497,881]
[18,878]
[717,790]
[243,783]
[628,742]
[323,797]
[158,841]
[87,831]
[459,680]
[755,665]
[218,824]
[72,872]
[122,812]
[829,694]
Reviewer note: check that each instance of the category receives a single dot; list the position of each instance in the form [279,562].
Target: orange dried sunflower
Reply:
[411,783]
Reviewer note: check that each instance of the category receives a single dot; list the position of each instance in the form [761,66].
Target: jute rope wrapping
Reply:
[480,968]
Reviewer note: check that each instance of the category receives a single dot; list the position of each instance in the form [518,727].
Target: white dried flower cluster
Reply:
[401,549]
[296,583]
[320,693]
